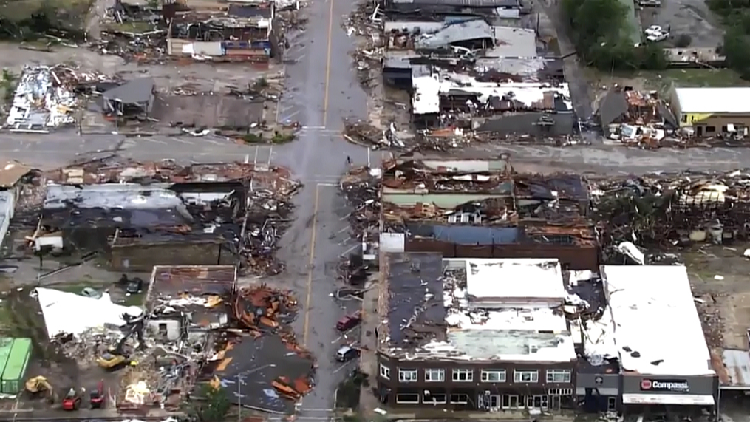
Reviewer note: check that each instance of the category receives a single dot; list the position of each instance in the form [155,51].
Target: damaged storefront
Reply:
[685,395]
[665,370]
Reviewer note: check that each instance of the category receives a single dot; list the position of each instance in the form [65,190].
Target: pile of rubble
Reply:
[48,96]
[247,211]
[265,312]
[132,32]
[364,23]
[673,209]
[262,308]
[361,187]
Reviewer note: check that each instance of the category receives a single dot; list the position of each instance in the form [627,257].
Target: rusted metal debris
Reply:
[262,310]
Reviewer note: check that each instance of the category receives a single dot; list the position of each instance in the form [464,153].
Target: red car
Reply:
[72,400]
[98,396]
[350,321]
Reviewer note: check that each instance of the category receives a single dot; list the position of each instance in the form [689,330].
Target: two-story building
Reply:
[474,334]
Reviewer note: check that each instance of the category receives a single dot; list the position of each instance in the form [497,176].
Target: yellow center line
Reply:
[305,330]
[328,64]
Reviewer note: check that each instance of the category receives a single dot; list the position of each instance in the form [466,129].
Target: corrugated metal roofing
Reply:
[455,32]
[737,364]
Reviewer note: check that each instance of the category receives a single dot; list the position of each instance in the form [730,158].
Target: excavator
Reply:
[39,386]
[116,358]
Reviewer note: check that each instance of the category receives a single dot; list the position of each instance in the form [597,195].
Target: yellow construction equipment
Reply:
[112,360]
[38,386]
[116,358]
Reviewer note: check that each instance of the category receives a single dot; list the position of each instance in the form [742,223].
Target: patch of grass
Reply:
[77,286]
[134,299]
[253,138]
[6,316]
[282,138]
[663,80]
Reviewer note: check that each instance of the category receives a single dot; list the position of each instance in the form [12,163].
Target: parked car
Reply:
[134,286]
[347,353]
[350,321]
[656,33]
[91,292]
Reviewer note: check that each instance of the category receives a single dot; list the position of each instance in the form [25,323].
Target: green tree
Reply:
[593,22]
[602,34]
[213,405]
[736,51]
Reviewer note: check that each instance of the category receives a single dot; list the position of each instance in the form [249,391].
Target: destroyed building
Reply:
[477,334]
[237,32]
[413,45]
[185,306]
[48,97]
[680,209]
[188,301]
[635,118]
[146,214]
[472,72]
[467,208]
[448,99]
[129,220]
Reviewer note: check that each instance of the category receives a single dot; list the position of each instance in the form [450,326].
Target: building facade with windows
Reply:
[474,334]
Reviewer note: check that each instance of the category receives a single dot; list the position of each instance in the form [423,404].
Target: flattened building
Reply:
[476,334]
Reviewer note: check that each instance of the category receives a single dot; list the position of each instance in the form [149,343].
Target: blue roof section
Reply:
[415,298]
[467,235]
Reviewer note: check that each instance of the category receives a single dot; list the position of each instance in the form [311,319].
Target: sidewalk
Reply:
[368,361]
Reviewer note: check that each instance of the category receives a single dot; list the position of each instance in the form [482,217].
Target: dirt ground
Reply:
[719,278]
[213,81]
[168,76]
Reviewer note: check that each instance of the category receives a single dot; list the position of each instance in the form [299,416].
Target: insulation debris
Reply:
[46,97]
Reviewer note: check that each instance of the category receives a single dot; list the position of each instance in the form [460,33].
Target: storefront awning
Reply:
[681,399]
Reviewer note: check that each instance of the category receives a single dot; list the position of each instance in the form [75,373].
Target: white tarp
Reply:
[73,314]
[678,399]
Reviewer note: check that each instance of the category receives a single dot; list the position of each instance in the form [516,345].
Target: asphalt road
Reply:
[320,91]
